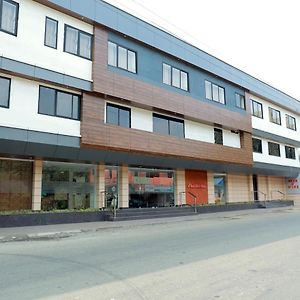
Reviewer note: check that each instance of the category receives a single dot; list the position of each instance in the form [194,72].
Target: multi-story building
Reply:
[96,103]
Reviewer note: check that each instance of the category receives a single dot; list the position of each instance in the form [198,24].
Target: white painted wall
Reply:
[267,126]
[199,132]
[143,120]
[28,46]
[23,111]
[231,139]
[270,159]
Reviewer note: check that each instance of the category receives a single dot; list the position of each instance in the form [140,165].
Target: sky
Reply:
[260,37]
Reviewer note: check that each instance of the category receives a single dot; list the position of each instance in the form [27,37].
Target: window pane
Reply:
[71,42]
[47,101]
[257,145]
[51,33]
[85,49]
[112,54]
[274,149]
[175,77]
[160,125]
[221,95]
[184,81]
[124,118]
[218,134]
[4,91]
[75,108]
[131,61]
[64,105]
[112,115]
[166,74]
[176,128]
[208,93]
[9,17]
[215,93]
[122,58]
[290,152]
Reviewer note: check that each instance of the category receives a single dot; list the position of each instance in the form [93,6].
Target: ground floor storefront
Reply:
[51,185]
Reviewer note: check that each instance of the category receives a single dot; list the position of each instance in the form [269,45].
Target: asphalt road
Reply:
[242,256]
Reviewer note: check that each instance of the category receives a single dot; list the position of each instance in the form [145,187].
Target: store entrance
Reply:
[151,188]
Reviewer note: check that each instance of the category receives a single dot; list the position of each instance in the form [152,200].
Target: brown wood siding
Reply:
[153,97]
[96,134]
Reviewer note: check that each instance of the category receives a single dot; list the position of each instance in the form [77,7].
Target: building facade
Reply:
[99,107]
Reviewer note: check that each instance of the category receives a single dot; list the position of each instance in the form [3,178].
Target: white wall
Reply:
[29,47]
[23,111]
[270,159]
[267,126]
[143,120]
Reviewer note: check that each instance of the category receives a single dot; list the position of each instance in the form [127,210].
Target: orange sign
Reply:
[196,184]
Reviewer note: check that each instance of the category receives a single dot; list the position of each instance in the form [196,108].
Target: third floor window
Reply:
[290,122]
[257,109]
[240,101]
[4,92]
[78,42]
[214,92]
[9,11]
[175,77]
[121,57]
[51,30]
[274,115]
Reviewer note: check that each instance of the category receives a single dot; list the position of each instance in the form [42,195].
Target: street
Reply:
[244,255]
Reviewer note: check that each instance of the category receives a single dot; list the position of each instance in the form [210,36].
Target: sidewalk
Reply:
[67,230]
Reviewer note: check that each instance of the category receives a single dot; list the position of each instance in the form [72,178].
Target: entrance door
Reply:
[220,189]
[255,187]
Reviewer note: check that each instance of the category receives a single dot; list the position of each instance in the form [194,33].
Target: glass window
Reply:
[85,45]
[240,101]
[118,115]
[4,92]
[78,42]
[257,109]
[131,61]
[274,149]
[290,152]
[122,58]
[168,126]
[51,33]
[47,101]
[9,11]
[167,74]
[218,135]
[160,125]
[68,186]
[214,92]
[257,145]
[275,116]
[184,81]
[64,105]
[290,122]
[175,77]
[208,90]
[57,103]
[176,128]
[112,54]
[221,95]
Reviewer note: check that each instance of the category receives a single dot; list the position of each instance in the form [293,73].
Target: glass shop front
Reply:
[68,186]
[151,188]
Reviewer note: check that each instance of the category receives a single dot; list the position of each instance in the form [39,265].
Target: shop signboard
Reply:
[293,186]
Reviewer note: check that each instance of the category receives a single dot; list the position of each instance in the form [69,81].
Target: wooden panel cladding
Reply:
[96,134]
[147,95]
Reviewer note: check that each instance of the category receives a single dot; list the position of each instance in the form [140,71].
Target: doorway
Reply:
[220,189]
[255,187]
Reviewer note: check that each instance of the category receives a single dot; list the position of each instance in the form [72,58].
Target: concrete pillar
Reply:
[211,187]
[37,185]
[123,187]
[180,196]
[250,188]
[100,186]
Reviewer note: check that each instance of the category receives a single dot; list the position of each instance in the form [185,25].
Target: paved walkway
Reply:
[67,230]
